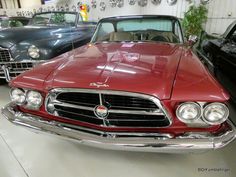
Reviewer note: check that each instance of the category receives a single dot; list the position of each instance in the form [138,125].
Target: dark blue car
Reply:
[47,35]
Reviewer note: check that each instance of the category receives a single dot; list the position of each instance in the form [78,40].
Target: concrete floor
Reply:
[24,153]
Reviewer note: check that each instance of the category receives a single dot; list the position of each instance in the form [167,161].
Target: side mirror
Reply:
[192,39]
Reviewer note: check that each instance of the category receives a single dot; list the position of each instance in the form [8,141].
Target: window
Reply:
[139,29]
[105,29]
[54,19]
[144,24]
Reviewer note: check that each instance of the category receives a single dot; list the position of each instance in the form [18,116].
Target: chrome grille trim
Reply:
[51,101]
[15,68]
[5,55]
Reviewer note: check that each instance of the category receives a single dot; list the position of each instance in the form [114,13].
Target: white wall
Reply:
[30,3]
[164,9]
[221,14]
[218,16]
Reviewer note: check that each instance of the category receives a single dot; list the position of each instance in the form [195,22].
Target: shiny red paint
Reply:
[170,72]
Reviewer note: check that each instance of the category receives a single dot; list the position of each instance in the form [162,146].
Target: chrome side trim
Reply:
[54,92]
[153,142]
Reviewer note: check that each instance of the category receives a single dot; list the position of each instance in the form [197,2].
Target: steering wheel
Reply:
[159,38]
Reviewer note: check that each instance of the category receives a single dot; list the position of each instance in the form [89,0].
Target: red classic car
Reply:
[135,86]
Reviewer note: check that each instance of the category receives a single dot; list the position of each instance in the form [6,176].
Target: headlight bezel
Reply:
[220,121]
[34,52]
[189,121]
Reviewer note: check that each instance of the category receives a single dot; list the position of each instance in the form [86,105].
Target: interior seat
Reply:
[163,36]
[121,36]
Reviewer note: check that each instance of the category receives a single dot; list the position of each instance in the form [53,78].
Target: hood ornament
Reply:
[98,84]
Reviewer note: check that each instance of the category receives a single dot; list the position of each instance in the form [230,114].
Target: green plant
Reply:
[194,19]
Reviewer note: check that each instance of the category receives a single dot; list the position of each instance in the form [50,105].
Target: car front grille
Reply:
[5,55]
[15,68]
[124,109]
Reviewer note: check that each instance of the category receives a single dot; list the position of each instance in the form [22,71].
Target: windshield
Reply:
[144,29]
[9,23]
[54,19]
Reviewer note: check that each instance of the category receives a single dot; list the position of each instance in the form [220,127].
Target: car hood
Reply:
[148,68]
[12,36]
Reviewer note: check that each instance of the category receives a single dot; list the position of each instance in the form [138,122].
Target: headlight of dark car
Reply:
[33,52]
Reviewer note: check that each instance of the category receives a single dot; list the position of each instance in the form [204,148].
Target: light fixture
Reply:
[120,3]
[102,6]
[156,2]
[171,2]
[112,3]
[94,4]
[142,3]
[204,2]
[132,2]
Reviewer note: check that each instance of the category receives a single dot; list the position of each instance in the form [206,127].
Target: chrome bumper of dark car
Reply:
[191,142]
[12,69]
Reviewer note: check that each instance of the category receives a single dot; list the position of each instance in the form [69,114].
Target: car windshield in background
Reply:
[54,19]
[143,30]
[6,23]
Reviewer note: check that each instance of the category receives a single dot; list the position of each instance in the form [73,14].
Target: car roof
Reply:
[71,12]
[14,17]
[117,18]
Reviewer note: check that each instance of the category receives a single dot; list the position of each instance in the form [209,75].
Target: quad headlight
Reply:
[215,113]
[33,52]
[211,114]
[29,99]
[34,100]
[189,112]
[17,96]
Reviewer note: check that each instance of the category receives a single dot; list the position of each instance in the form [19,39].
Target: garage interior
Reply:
[28,154]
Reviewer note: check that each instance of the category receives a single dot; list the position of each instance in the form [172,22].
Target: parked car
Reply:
[48,34]
[136,86]
[12,22]
[219,53]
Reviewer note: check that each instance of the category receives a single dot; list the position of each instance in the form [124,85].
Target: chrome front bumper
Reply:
[191,142]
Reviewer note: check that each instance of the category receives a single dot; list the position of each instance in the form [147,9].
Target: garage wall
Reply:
[30,3]
[221,12]
[178,9]
[8,4]
[164,9]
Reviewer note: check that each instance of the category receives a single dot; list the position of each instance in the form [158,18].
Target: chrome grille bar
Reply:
[153,112]
[5,55]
